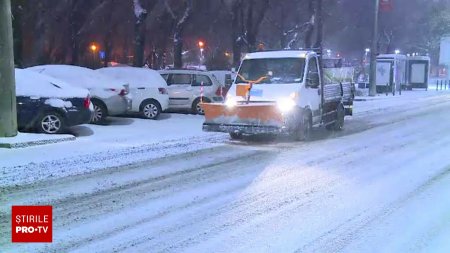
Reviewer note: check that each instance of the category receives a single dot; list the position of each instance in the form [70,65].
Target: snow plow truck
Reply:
[283,92]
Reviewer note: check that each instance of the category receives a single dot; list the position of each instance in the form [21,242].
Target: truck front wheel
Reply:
[303,132]
[236,136]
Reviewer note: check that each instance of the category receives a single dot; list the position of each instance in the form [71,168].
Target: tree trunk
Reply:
[108,48]
[139,42]
[253,25]
[74,24]
[251,37]
[139,33]
[17,11]
[178,35]
[310,28]
[177,51]
[8,114]
[236,32]
[282,26]
[319,22]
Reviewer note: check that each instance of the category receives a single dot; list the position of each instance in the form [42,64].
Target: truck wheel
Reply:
[236,136]
[303,132]
[339,123]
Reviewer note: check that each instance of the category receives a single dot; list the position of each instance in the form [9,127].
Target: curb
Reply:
[24,144]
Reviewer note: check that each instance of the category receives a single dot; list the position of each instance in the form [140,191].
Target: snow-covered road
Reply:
[382,185]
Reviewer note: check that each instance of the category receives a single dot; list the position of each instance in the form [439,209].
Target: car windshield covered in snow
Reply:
[276,70]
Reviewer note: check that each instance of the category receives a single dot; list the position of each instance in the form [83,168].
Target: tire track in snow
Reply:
[285,209]
[336,239]
[253,206]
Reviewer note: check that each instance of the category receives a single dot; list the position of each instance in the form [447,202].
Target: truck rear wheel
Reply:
[339,123]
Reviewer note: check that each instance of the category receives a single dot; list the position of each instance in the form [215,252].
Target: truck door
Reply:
[312,92]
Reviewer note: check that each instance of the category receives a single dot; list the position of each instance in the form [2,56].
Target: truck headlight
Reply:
[230,101]
[286,104]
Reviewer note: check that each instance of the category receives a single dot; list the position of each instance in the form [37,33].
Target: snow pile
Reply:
[79,76]
[135,77]
[29,83]
[59,103]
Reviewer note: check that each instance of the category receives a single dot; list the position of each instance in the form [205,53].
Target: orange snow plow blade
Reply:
[245,118]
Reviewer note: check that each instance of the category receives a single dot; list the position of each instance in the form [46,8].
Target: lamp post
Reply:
[93,47]
[373,52]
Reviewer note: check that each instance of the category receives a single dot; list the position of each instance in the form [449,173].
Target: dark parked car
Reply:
[48,105]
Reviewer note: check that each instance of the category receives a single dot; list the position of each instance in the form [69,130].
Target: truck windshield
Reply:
[277,70]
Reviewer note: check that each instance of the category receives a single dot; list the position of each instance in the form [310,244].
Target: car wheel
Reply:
[303,132]
[150,109]
[197,108]
[50,123]
[99,114]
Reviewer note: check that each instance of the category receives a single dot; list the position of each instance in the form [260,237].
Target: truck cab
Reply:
[281,92]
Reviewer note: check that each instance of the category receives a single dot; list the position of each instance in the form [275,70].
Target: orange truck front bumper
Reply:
[253,118]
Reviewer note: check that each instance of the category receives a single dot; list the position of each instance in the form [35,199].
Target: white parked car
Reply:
[147,87]
[109,97]
[187,87]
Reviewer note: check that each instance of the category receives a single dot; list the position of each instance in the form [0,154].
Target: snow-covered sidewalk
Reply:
[121,142]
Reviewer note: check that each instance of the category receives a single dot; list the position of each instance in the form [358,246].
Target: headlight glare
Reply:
[286,104]
[230,101]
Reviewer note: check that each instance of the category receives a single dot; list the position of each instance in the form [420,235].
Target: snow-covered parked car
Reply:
[147,87]
[48,105]
[109,97]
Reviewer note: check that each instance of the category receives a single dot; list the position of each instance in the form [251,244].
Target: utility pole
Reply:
[373,53]
[8,115]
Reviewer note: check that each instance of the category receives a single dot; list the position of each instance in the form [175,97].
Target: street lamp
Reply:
[93,47]
[397,51]
[201,45]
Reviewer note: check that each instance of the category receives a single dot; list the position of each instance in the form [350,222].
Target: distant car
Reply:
[187,87]
[147,87]
[109,97]
[48,105]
